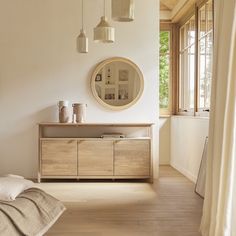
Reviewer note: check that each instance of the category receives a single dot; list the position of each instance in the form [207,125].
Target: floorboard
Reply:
[169,207]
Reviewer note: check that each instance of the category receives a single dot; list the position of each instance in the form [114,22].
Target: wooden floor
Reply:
[169,207]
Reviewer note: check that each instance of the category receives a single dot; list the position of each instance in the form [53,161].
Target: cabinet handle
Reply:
[71,141]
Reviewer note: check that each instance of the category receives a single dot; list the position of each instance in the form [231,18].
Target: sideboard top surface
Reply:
[96,124]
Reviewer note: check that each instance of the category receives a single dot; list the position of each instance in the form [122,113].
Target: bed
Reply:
[32,213]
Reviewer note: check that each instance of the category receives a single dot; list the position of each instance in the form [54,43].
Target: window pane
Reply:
[205,59]
[202,21]
[191,75]
[187,30]
[164,42]
[187,67]
[182,38]
[202,72]
[164,81]
[191,31]
[181,84]
[187,75]
[209,16]
[208,70]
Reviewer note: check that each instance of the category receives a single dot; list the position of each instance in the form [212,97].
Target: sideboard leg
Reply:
[150,180]
[39,178]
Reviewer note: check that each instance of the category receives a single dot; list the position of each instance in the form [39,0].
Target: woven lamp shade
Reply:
[104,32]
[123,10]
[82,42]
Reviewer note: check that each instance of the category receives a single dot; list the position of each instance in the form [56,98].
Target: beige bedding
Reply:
[32,213]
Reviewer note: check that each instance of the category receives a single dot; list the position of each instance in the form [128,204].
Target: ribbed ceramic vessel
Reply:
[104,32]
[123,10]
[82,42]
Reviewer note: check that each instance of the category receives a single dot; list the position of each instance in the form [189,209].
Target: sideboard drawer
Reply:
[132,157]
[59,157]
[95,158]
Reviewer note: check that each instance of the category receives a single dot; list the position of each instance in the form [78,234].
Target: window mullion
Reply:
[205,81]
[196,60]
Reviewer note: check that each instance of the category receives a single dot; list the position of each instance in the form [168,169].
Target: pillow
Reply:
[11,175]
[11,187]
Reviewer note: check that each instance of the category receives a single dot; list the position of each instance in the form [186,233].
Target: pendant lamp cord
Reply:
[82,14]
[104,5]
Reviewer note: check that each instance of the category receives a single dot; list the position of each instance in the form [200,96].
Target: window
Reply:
[195,61]
[187,66]
[165,72]
[205,41]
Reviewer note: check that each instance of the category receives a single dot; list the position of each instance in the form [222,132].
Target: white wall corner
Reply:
[184,171]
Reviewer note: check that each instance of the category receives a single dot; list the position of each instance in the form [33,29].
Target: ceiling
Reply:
[168,5]
[172,10]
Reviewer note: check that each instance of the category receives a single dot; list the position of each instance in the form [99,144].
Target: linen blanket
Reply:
[32,213]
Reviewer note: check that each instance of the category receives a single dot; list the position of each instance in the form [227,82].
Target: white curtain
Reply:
[219,216]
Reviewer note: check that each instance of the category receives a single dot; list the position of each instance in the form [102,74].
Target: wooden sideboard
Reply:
[77,151]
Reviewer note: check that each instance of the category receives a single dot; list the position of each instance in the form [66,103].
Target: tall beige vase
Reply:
[79,112]
[64,113]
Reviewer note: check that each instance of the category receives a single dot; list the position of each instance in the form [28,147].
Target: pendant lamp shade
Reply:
[123,10]
[82,42]
[103,32]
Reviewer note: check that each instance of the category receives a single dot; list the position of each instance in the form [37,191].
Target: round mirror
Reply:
[117,83]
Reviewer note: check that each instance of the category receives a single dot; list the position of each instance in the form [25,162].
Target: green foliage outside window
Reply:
[164,69]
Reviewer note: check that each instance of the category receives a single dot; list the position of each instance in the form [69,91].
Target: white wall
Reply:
[164,140]
[187,142]
[39,65]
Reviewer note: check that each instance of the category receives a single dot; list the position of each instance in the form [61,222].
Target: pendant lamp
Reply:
[82,39]
[123,10]
[103,32]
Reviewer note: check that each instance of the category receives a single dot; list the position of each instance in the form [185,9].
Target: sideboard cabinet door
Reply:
[95,158]
[59,157]
[132,157]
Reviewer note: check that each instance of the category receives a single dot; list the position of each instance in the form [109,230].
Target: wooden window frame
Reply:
[193,11]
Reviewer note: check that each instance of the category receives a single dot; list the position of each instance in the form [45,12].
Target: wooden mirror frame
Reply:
[108,61]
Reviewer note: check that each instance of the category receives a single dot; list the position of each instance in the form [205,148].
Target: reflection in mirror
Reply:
[117,83]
